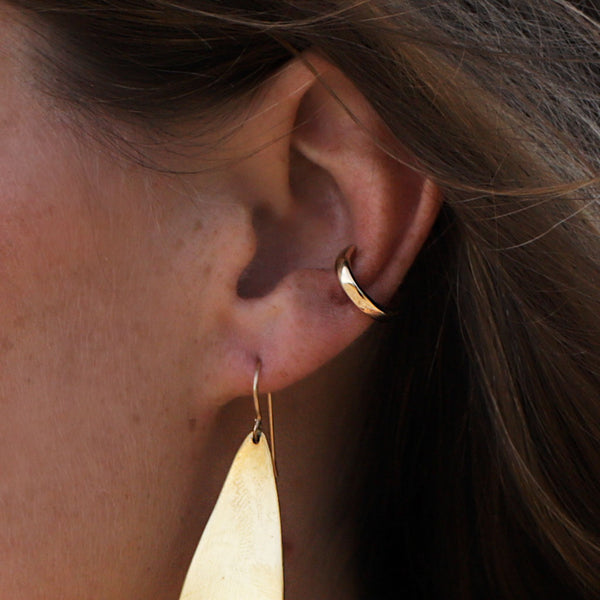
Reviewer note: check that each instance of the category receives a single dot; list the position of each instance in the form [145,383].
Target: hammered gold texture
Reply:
[240,553]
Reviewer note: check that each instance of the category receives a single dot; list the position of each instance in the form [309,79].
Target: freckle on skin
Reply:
[337,297]
[197,225]
[192,423]
[20,321]
[135,419]
[6,345]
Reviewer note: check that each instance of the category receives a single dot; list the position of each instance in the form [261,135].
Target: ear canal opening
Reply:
[270,263]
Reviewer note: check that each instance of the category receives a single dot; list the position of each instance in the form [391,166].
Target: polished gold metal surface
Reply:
[356,294]
[240,553]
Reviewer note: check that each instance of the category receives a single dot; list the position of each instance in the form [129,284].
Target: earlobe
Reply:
[325,182]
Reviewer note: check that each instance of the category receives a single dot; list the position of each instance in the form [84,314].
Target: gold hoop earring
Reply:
[240,552]
[357,295]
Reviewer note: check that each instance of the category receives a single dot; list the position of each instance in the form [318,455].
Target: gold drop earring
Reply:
[240,553]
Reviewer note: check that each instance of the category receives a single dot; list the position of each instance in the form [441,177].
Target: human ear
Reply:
[325,173]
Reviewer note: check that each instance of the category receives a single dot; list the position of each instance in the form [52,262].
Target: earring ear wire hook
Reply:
[257,431]
[258,418]
[227,563]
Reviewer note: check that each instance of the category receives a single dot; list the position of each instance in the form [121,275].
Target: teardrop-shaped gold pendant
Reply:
[240,554]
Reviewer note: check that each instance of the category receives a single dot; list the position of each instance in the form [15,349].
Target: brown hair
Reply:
[485,436]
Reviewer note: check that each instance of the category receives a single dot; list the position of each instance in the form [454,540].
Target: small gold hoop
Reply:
[357,295]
